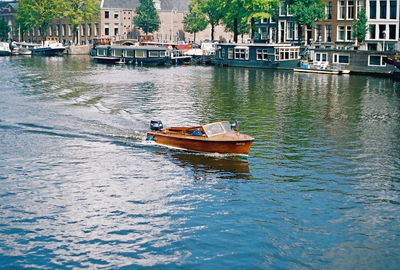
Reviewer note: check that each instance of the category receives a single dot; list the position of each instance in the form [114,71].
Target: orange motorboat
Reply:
[218,137]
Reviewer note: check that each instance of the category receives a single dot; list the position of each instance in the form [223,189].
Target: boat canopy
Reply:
[217,128]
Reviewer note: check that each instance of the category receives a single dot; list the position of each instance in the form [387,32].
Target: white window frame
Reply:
[241,50]
[335,58]
[321,57]
[382,64]
[338,33]
[339,9]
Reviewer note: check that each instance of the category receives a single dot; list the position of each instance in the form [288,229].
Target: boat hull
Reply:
[320,71]
[236,147]
[48,51]
[5,53]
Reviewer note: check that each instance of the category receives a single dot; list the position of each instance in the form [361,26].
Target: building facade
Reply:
[7,13]
[384,24]
[336,30]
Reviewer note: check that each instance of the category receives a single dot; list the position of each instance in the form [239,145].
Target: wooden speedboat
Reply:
[218,137]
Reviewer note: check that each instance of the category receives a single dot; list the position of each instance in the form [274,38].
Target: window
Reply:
[106,14]
[350,9]
[392,31]
[286,54]
[154,54]
[242,53]
[290,30]
[96,29]
[372,9]
[140,53]
[349,34]
[342,10]
[64,29]
[341,33]
[321,57]
[101,52]
[162,54]
[382,13]
[106,29]
[230,53]
[116,29]
[328,11]
[376,60]
[382,31]
[318,33]
[393,9]
[50,30]
[341,58]
[282,8]
[115,15]
[262,54]
[328,33]
[359,6]
[372,31]
[117,52]
[130,53]
[89,30]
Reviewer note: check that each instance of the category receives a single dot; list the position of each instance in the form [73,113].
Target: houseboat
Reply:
[354,61]
[148,55]
[277,56]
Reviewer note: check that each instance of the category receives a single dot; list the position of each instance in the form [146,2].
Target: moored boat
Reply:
[147,55]
[5,49]
[49,48]
[217,137]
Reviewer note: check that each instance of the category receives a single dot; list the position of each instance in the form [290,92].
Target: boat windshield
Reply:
[216,128]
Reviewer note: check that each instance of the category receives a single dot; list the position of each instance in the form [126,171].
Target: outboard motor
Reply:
[235,125]
[156,125]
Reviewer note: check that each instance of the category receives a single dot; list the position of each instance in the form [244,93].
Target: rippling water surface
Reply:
[81,188]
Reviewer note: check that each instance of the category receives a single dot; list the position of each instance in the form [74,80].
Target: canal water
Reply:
[81,188]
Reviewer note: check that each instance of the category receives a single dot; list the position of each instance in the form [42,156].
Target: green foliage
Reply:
[4,29]
[360,27]
[81,11]
[239,13]
[147,18]
[194,21]
[39,13]
[210,9]
[307,12]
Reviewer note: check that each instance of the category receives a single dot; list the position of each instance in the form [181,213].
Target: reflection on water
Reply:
[204,164]
[81,188]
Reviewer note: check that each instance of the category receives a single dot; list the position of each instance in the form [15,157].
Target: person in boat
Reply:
[197,132]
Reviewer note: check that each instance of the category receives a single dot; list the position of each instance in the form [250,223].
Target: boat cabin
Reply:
[131,54]
[279,56]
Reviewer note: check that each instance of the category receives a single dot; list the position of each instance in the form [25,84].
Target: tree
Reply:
[360,27]
[240,13]
[38,13]
[194,21]
[80,11]
[147,18]
[213,11]
[4,29]
[307,12]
